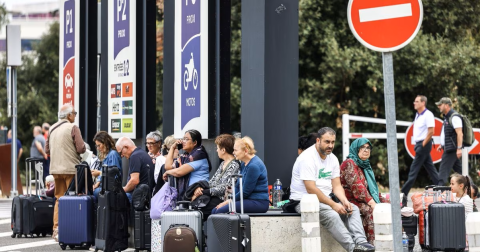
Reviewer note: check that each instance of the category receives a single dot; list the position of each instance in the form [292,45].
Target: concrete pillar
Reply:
[382,217]
[310,211]
[473,231]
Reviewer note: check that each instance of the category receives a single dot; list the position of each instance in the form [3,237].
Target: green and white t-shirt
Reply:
[310,166]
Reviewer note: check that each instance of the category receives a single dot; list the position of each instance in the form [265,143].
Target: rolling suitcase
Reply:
[112,215]
[32,214]
[184,217]
[142,230]
[75,218]
[180,237]
[446,224]
[230,231]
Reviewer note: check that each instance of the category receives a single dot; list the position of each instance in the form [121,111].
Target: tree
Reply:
[37,88]
[338,75]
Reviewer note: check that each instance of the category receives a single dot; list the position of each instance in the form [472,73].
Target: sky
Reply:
[9,3]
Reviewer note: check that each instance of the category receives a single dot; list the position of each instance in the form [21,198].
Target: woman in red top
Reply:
[358,181]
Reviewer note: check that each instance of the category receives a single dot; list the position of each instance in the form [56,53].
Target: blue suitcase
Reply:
[75,219]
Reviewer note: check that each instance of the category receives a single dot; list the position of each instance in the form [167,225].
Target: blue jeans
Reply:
[129,196]
[249,206]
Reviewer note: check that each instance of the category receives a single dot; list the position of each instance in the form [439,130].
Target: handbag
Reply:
[289,207]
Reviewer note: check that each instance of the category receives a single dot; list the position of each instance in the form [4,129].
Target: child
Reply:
[460,185]
[474,196]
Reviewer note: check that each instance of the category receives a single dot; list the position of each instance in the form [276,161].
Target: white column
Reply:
[310,211]
[345,134]
[382,217]
[473,231]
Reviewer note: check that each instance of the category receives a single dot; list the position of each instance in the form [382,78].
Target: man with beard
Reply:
[317,171]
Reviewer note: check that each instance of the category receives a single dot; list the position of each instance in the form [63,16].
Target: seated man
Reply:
[140,164]
[317,171]
[50,186]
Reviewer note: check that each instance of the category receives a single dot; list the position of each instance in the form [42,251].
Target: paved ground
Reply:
[47,243]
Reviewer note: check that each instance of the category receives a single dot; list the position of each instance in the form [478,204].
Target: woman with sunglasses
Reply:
[358,181]
[106,153]
[191,166]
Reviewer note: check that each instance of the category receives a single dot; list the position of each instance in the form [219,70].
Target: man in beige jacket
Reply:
[64,145]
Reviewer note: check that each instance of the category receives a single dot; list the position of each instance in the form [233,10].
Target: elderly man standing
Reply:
[64,145]
[140,164]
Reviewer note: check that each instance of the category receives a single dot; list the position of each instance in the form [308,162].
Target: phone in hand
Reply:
[179,146]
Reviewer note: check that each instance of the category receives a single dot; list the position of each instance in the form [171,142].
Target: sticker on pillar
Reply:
[69,53]
[127,125]
[116,91]
[127,107]
[127,90]
[121,27]
[116,125]
[115,108]
[190,63]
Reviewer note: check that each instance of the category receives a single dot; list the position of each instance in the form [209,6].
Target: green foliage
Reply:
[338,75]
[37,89]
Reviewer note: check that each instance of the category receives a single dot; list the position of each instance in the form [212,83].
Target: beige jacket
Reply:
[64,144]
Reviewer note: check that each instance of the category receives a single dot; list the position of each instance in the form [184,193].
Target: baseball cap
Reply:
[444,100]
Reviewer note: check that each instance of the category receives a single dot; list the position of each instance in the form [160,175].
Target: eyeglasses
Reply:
[366,148]
[74,112]
[121,151]
[151,143]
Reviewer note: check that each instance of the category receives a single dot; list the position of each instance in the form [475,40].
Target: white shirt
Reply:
[158,166]
[422,122]
[467,203]
[456,123]
[311,167]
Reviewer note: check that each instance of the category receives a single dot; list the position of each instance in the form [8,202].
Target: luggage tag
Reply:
[245,241]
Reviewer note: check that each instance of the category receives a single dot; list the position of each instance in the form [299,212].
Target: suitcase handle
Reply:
[442,188]
[233,208]
[178,225]
[78,167]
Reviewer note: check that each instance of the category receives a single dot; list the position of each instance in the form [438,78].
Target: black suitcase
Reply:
[142,230]
[229,232]
[112,216]
[445,223]
[32,214]
[410,225]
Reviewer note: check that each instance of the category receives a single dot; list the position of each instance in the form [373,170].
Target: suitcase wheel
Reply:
[71,246]
[44,234]
[63,247]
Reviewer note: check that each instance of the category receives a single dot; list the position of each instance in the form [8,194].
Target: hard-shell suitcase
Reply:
[446,226]
[183,216]
[229,232]
[421,216]
[142,230]
[112,216]
[32,214]
[75,218]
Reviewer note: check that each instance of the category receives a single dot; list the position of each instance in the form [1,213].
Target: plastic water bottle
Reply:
[405,242]
[277,193]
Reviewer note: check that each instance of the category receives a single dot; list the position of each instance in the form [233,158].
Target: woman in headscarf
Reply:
[358,181]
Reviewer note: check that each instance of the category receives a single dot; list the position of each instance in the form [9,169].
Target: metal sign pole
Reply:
[392,149]
[13,78]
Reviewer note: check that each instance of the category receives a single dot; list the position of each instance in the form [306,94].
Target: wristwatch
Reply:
[459,148]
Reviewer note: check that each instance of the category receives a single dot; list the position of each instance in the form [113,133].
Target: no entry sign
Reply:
[410,144]
[385,25]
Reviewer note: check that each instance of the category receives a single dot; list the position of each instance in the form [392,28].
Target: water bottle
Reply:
[277,193]
[405,242]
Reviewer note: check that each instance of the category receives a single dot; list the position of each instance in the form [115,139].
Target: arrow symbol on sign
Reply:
[385,12]
[475,148]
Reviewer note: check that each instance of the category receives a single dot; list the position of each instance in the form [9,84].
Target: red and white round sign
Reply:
[410,144]
[385,26]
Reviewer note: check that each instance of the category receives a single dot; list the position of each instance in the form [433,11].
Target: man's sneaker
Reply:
[364,247]
[404,200]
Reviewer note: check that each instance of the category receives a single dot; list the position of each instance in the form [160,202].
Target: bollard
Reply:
[382,217]
[473,231]
[310,211]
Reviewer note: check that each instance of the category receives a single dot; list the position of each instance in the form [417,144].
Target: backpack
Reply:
[164,200]
[141,197]
[468,137]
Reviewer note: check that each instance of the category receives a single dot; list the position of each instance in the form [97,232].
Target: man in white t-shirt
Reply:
[451,140]
[317,171]
[423,127]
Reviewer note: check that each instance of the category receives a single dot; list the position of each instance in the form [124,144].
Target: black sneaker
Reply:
[364,247]
[404,200]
